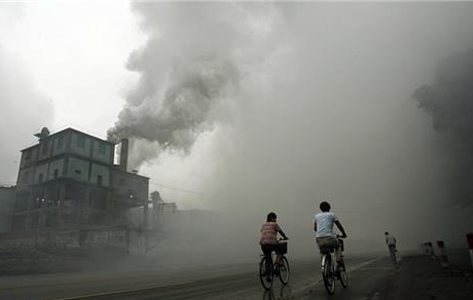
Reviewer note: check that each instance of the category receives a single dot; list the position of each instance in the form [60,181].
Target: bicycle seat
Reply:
[326,249]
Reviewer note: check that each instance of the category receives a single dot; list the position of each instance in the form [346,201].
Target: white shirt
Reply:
[325,222]
[390,240]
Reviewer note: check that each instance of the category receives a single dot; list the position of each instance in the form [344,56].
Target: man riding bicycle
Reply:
[269,241]
[323,226]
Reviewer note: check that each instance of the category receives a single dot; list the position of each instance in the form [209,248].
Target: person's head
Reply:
[386,233]
[271,217]
[325,206]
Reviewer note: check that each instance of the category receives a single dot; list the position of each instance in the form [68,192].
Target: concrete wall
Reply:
[26,177]
[7,202]
[102,152]
[45,149]
[130,185]
[78,169]
[56,167]
[81,144]
[41,173]
[60,143]
[100,170]
[29,157]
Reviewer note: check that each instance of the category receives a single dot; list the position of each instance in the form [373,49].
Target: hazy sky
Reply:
[323,107]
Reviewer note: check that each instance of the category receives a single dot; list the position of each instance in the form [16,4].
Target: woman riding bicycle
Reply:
[269,241]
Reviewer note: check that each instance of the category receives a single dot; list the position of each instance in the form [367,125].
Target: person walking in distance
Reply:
[391,242]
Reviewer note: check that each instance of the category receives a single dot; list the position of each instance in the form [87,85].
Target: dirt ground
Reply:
[422,278]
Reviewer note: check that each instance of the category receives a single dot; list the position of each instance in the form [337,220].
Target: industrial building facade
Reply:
[69,180]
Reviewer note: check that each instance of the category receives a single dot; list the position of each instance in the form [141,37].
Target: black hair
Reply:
[325,207]
[386,233]
[271,216]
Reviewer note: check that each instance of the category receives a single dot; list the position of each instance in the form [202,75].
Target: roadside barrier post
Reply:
[469,238]
[443,254]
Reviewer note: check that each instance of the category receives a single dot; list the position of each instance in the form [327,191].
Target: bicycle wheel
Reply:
[342,275]
[327,274]
[284,270]
[265,276]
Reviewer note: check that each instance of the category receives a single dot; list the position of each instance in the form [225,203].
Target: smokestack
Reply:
[124,154]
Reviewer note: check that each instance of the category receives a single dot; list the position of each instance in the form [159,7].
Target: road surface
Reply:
[367,275]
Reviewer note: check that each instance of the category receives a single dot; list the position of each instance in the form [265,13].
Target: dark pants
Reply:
[267,250]
[392,251]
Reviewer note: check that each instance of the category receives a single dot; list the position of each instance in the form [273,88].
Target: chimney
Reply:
[124,154]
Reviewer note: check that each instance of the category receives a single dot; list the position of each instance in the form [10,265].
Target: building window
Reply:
[102,149]
[45,147]
[60,142]
[28,154]
[40,178]
[56,173]
[99,179]
[81,141]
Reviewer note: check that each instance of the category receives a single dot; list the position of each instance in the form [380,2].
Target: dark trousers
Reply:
[267,250]
[392,251]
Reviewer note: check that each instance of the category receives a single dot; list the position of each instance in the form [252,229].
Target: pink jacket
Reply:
[269,232]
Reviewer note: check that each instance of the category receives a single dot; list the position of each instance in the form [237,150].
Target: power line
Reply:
[178,189]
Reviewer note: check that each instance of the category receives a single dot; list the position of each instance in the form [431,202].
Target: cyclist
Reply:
[323,226]
[269,241]
[391,242]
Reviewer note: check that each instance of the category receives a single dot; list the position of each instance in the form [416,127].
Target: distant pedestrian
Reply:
[391,242]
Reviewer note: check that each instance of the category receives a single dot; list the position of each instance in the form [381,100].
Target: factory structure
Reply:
[76,190]
[69,180]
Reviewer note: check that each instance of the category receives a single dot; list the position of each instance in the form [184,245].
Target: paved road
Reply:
[367,275]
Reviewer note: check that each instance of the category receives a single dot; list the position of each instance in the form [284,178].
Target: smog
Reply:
[301,116]
[241,109]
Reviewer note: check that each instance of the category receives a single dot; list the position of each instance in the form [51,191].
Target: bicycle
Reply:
[280,267]
[330,272]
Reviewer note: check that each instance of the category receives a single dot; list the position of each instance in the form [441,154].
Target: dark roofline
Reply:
[116,168]
[71,129]
[30,147]
[12,187]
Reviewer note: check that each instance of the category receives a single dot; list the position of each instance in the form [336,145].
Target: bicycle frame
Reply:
[330,268]
[279,263]
[324,258]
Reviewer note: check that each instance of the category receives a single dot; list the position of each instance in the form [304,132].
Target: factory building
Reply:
[7,201]
[69,180]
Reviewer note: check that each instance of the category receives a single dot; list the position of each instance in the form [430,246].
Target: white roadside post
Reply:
[443,254]
[469,238]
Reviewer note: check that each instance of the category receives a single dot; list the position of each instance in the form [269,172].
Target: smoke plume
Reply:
[449,102]
[188,70]
[310,108]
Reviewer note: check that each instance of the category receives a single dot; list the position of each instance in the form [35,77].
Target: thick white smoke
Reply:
[192,69]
